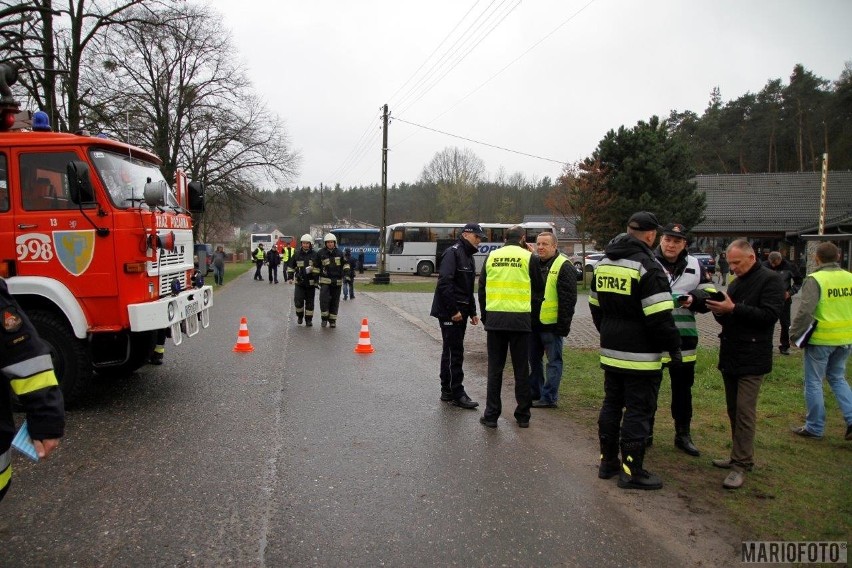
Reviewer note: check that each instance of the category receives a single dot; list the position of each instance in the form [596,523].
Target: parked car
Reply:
[707,262]
[592,260]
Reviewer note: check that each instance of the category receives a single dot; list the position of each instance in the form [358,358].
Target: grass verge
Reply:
[800,489]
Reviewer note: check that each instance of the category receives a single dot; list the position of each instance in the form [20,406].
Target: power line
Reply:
[480,142]
[463,56]
[457,45]
[434,51]
[533,46]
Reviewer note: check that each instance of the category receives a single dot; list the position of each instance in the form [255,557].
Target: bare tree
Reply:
[171,83]
[455,172]
[53,45]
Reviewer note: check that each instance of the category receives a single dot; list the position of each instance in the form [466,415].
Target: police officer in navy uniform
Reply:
[453,305]
[28,372]
[631,305]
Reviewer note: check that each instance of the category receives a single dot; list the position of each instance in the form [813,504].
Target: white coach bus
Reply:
[416,248]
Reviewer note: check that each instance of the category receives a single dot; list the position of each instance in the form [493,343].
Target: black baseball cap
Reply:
[643,221]
[475,229]
[676,230]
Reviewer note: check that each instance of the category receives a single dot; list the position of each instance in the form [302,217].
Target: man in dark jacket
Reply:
[27,371]
[747,314]
[631,305]
[551,321]
[273,259]
[453,305]
[509,279]
[792,279]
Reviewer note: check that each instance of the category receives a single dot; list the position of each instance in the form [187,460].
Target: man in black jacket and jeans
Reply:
[747,314]
[551,321]
[453,305]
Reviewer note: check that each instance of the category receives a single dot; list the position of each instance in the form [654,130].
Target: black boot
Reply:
[633,476]
[683,441]
[610,465]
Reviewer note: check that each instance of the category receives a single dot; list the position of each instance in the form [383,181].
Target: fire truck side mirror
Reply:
[196,196]
[155,193]
[79,186]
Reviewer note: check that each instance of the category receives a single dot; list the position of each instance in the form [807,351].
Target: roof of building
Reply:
[779,202]
[563,228]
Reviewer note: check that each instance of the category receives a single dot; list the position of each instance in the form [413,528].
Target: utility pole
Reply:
[382,277]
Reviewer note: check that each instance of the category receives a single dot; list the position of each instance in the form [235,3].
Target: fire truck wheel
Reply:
[70,358]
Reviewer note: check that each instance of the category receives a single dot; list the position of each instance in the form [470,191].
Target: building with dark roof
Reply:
[772,211]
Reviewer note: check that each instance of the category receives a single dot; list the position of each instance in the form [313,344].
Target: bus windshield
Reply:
[125,177]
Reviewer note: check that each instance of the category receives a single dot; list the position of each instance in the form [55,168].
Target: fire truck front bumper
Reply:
[185,313]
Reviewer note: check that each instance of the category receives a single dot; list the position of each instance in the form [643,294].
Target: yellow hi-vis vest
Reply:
[550,305]
[507,287]
[259,255]
[834,310]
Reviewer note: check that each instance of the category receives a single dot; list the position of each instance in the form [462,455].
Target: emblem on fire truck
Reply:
[74,249]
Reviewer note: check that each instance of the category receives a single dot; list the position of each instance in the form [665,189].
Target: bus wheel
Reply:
[70,358]
[425,268]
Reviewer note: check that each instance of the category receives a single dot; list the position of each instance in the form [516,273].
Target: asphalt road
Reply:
[305,453]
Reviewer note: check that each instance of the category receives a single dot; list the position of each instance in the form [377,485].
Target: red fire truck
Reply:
[95,245]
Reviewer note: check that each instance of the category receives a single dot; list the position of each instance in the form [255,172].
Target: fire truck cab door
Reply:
[7,217]
[53,237]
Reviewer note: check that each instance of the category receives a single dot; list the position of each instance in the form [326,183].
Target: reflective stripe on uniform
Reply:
[631,361]
[688,356]
[657,303]
[5,468]
[29,367]
[632,365]
[36,382]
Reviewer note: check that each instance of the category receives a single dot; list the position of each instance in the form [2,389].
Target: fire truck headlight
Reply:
[172,309]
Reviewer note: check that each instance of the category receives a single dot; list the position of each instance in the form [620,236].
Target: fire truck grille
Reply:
[168,258]
[166,283]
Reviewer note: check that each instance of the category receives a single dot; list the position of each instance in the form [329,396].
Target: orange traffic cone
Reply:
[243,344]
[364,345]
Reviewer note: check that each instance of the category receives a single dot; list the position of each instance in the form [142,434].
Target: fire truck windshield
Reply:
[125,177]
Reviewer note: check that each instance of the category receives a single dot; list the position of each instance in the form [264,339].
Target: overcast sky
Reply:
[549,80]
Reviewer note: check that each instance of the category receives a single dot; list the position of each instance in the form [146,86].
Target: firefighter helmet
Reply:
[306,238]
[329,237]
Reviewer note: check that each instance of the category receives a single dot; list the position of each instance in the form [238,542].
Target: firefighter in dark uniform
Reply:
[258,256]
[453,305]
[332,270]
[28,371]
[300,268]
[631,305]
